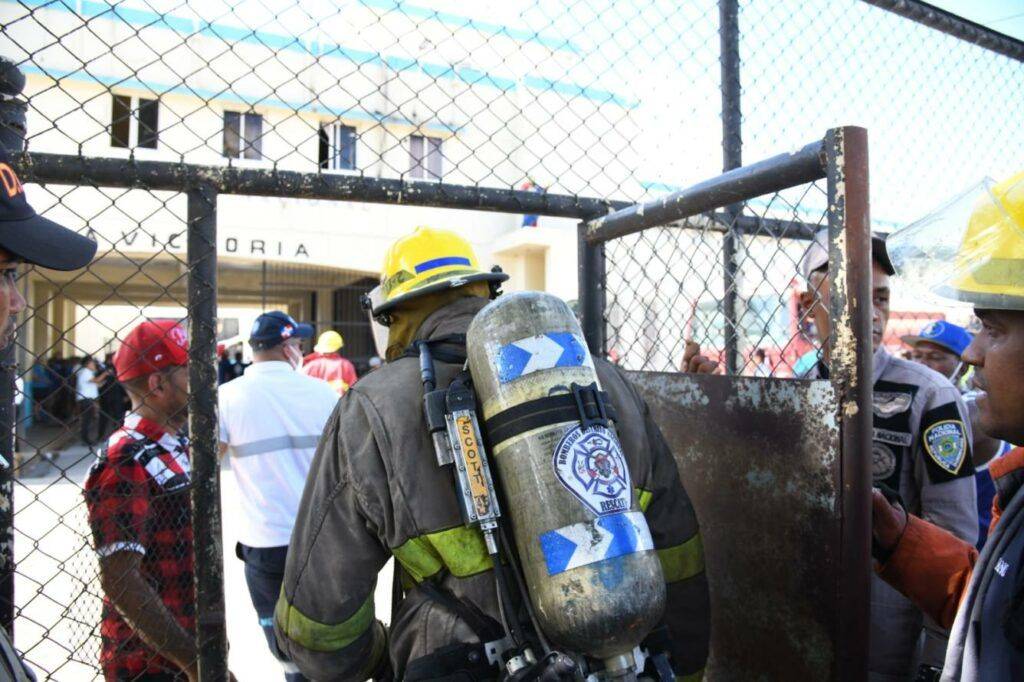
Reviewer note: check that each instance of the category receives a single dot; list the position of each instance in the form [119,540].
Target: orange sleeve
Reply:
[932,567]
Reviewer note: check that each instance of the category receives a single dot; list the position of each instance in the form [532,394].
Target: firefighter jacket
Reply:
[921,447]
[946,578]
[375,491]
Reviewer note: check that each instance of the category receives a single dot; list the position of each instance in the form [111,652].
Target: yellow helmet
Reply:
[329,342]
[970,250]
[426,261]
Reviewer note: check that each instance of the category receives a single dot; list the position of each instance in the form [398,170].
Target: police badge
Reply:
[946,444]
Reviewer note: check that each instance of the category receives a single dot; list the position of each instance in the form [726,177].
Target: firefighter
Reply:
[941,573]
[327,364]
[921,447]
[376,491]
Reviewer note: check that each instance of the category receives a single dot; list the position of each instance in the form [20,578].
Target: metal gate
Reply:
[778,469]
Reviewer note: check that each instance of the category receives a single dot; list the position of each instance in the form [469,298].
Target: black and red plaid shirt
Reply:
[137,494]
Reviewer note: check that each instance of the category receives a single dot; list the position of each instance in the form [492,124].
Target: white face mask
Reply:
[293,355]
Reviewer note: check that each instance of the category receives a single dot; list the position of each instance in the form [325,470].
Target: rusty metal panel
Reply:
[760,461]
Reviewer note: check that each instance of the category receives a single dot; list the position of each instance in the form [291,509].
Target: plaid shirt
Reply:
[137,494]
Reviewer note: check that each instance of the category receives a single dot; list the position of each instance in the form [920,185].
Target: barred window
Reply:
[425,157]
[338,147]
[134,119]
[243,135]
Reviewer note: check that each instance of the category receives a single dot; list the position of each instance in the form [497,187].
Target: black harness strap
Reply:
[483,626]
[583,404]
[450,349]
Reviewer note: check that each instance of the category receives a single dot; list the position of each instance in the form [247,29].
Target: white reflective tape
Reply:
[115,547]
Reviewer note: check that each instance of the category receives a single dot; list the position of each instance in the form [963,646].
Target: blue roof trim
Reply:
[91,9]
[458,21]
[228,96]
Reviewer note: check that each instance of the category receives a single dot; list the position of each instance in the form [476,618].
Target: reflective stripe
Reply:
[441,263]
[643,498]
[461,550]
[115,547]
[259,447]
[692,677]
[317,636]
[683,560]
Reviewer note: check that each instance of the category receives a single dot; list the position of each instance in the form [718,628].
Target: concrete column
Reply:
[325,309]
[40,331]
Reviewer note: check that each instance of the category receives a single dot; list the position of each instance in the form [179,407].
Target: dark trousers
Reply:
[86,413]
[264,572]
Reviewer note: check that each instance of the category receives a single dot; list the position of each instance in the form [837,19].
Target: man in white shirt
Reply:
[87,388]
[271,419]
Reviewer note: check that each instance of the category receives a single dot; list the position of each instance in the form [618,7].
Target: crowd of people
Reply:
[337,473]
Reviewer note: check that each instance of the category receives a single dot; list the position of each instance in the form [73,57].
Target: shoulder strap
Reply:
[450,349]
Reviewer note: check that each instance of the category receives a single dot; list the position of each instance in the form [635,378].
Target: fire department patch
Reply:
[946,444]
[591,466]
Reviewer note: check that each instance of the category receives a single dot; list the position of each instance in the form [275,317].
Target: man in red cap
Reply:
[137,495]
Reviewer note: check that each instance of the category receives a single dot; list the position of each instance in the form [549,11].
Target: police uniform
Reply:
[921,446]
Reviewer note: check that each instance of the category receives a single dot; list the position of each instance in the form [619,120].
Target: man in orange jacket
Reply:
[325,363]
[981,597]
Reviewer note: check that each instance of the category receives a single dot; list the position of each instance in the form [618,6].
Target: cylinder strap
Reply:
[554,409]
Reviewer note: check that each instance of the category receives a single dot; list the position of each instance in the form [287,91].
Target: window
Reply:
[338,147]
[425,157]
[243,135]
[134,118]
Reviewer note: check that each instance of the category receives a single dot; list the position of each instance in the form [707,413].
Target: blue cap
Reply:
[276,327]
[952,337]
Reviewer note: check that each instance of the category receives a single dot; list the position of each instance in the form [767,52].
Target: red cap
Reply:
[152,346]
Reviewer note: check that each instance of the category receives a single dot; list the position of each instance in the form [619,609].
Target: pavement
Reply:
[57,590]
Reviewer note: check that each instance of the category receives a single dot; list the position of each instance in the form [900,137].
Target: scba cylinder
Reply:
[586,552]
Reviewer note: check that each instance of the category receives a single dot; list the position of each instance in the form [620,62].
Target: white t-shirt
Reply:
[84,385]
[271,418]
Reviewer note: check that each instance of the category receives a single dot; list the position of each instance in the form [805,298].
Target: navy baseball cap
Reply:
[952,337]
[32,238]
[275,327]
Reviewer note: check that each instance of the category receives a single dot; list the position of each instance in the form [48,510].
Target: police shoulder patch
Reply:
[946,443]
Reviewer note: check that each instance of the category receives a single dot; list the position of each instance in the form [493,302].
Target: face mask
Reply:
[294,356]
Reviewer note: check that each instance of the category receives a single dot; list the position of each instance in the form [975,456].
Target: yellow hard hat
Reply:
[329,342]
[426,261]
[970,250]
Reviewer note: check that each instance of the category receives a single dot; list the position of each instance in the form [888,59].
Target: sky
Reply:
[1005,16]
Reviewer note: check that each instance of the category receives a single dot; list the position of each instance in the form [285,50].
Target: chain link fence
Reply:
[522,107]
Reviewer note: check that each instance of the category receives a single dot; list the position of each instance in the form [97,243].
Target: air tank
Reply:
[586,552]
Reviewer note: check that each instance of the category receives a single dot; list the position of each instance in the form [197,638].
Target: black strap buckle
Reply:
[590,405]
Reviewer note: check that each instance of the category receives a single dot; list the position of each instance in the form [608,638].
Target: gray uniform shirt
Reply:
[921,447]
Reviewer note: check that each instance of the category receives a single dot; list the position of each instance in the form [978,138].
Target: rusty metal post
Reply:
[12,139]
[211,633]
[732,157]
[850,356]
[592,292]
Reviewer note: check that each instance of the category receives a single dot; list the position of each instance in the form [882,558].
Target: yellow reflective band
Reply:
[316,636]
[643,498]
[682,561]
[461,550]
[692,677]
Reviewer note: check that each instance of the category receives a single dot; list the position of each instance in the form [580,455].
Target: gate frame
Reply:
[841,158]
